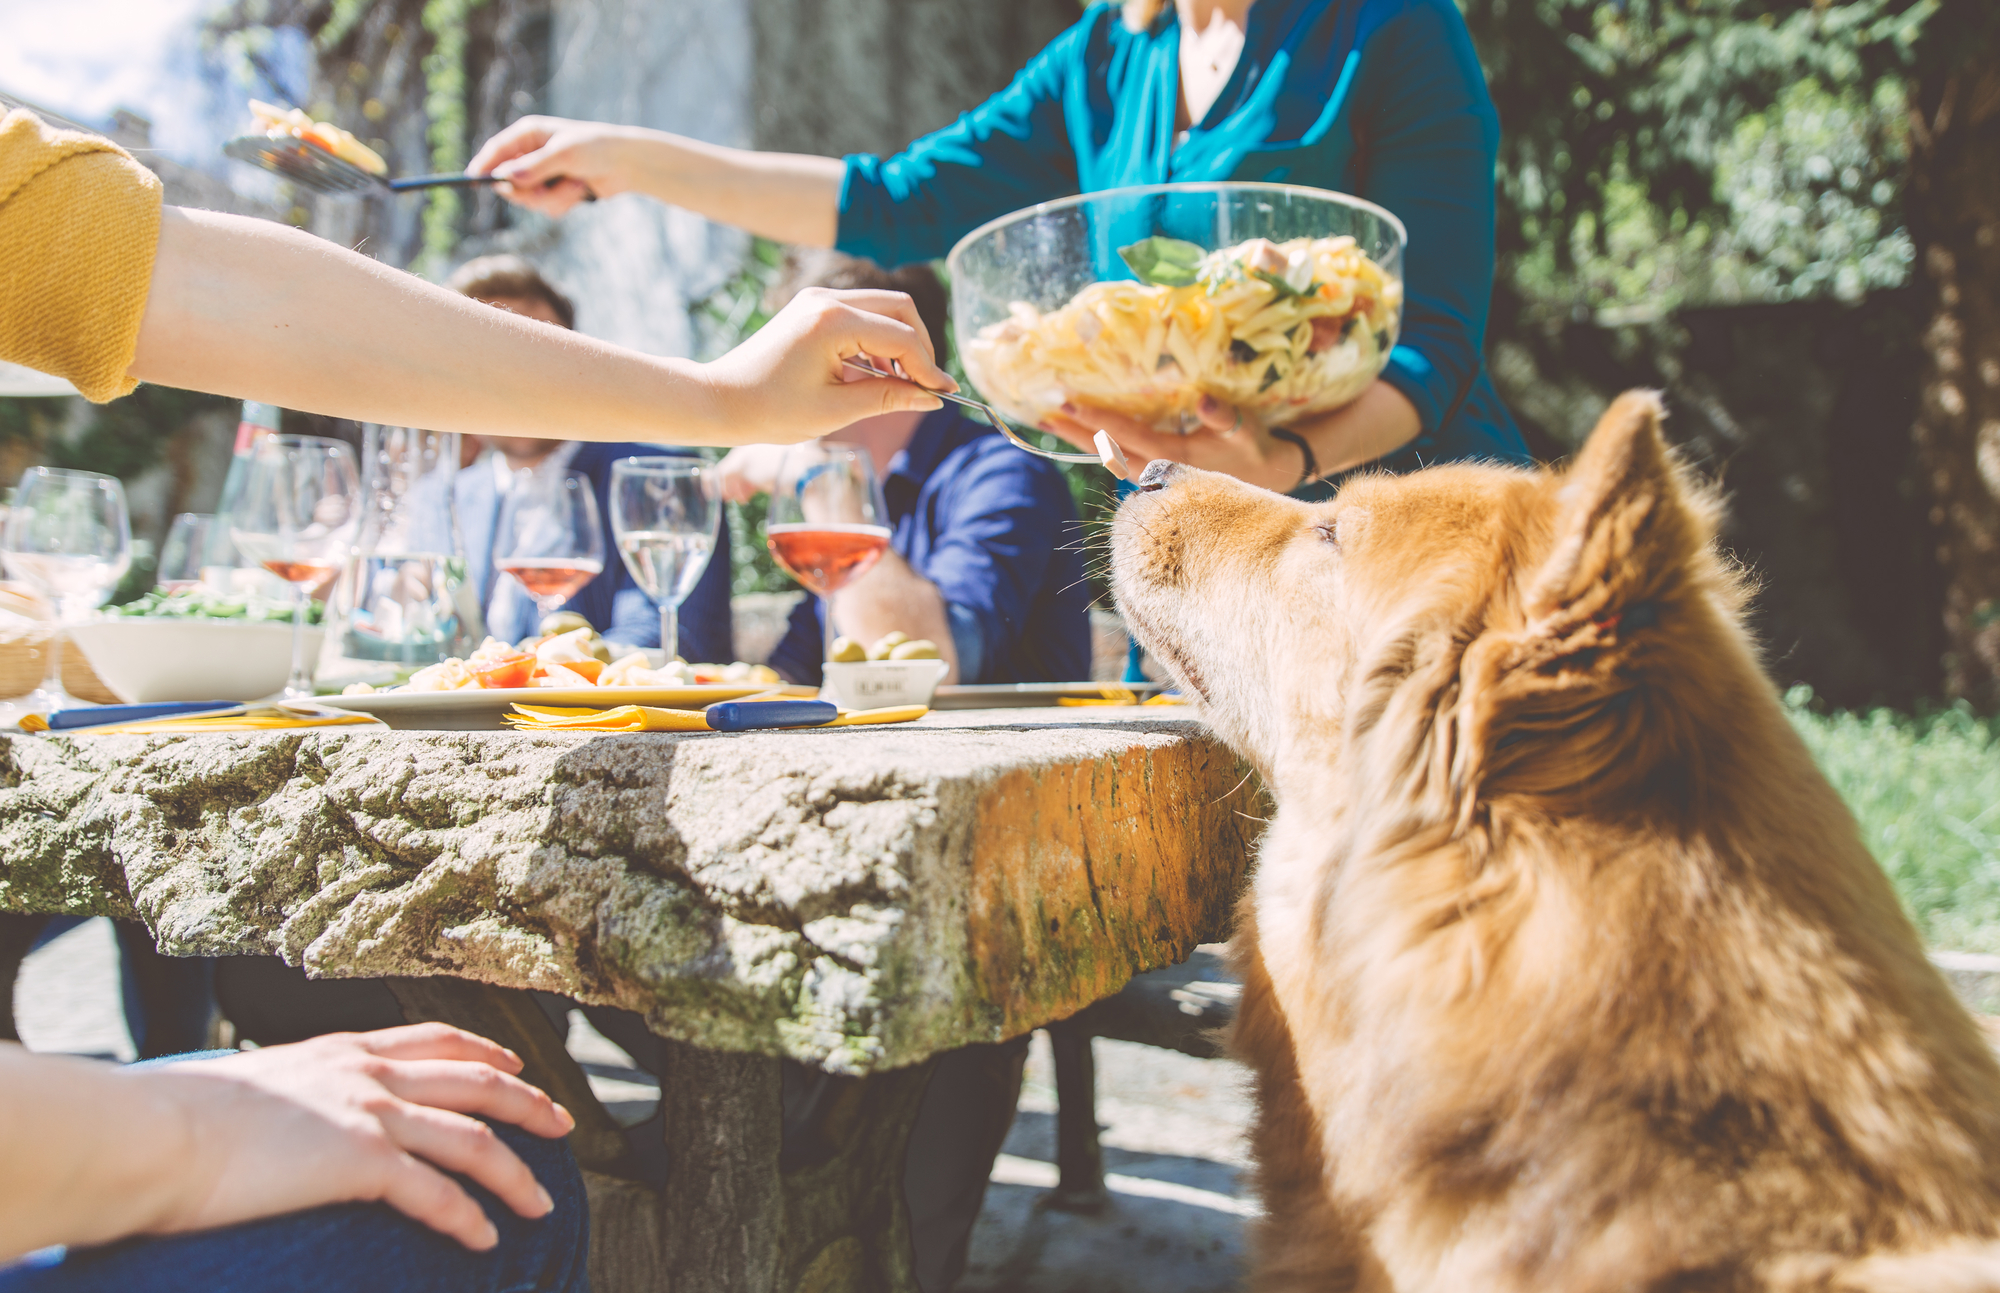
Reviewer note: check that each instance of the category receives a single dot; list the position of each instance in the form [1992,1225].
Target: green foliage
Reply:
[1656,151]
[1926,790]
[127,436]
[123,438]
[1812,187]
[341,20]
[30,421]
[444,105]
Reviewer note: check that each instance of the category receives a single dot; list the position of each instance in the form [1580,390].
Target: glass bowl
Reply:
[1118,300]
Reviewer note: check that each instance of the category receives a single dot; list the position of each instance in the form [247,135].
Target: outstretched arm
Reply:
[552,164]
[1011,151]
[96,1153]
[250,308]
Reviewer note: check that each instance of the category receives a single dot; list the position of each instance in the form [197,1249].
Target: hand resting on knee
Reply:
[96,1153]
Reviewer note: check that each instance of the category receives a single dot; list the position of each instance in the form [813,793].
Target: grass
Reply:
[1926,788]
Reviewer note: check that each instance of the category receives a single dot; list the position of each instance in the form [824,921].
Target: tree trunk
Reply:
[1954,217]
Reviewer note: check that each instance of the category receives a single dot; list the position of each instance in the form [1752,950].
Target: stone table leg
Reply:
[826,1216]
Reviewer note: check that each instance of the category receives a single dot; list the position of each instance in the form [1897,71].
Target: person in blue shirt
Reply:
[613,603]
[983,554]
[1383,99]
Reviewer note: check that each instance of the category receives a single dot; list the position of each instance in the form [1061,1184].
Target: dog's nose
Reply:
[1159,474]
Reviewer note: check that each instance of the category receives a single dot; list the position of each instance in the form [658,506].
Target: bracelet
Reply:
[1310,472]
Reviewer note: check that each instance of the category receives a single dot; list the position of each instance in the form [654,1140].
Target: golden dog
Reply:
[1564,968]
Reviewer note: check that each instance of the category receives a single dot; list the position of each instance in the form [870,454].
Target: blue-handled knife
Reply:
[69,720]
[759,715]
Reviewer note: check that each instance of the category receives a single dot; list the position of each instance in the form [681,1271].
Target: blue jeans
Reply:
[345,1247]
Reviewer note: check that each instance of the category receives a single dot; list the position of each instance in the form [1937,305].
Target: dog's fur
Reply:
[1564,968]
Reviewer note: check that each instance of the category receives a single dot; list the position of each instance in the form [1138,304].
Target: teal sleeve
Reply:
[1431,142]
[1012,151]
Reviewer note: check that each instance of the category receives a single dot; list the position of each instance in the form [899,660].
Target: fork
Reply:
[980,407]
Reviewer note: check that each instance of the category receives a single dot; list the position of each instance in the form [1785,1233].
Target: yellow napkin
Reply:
[646,718]
[1121,696]
[624,718]
[257,718]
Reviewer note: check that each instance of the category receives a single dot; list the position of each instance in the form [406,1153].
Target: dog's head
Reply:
[1452,636]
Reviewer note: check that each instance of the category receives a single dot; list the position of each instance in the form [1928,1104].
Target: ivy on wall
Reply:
[445,106]
[420,80]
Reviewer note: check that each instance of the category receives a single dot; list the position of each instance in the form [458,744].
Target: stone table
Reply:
[860,900]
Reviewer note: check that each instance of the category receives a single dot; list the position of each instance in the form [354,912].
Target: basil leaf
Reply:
[1167,262]
[1277,281]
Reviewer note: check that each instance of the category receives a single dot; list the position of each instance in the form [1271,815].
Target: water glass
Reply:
[296,519]
[664,515]
[184,552]
[69,538]
[401,598]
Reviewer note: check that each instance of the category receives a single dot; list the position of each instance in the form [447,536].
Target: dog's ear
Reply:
[1588,611]
[1629,521]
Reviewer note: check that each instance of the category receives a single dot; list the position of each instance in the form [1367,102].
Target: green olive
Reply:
[562,622]
[886,643]
[920,649]
[847,651]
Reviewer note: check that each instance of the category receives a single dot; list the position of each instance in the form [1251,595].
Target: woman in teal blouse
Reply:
[1380,98]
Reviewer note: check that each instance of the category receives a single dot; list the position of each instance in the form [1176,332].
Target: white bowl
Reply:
[145,660]
[879,684]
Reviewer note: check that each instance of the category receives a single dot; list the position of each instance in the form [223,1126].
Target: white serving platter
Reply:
[481,709]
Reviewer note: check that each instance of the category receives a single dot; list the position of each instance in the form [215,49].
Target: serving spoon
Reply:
[310,166]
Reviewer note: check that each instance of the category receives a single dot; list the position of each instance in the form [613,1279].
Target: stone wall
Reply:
[843,76]
[634,265]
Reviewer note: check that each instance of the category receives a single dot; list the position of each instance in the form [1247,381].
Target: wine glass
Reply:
[184,552]
[828,523]
[549,536]
[296,518]
[69,537]
[664,513]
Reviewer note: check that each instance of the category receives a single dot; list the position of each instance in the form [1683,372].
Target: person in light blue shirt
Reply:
[1383,99]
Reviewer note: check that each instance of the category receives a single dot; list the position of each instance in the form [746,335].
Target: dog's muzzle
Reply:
[1159,474]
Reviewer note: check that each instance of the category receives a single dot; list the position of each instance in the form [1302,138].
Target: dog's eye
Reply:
[1329,532]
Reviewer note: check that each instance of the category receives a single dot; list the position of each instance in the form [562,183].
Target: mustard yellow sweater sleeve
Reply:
[79,223]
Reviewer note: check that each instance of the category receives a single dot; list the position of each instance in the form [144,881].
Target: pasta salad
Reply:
[1281,330]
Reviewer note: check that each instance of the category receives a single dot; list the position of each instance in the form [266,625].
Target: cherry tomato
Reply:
[508,671]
